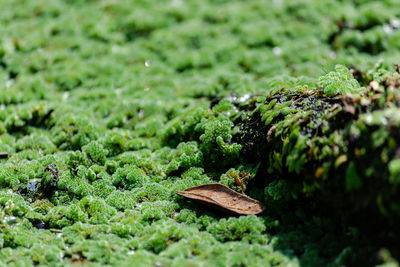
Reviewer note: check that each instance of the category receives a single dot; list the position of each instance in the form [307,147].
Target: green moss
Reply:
[108,107]
[62,216]
[340,81]
[244,228]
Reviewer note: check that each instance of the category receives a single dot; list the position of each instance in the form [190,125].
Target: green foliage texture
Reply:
[108,107]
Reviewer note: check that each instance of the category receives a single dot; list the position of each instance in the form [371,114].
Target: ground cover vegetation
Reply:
[109,107]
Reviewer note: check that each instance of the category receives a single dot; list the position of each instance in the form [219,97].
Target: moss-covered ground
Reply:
[107,107]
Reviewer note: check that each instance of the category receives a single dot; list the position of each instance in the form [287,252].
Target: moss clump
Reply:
[336,150]
[340,81]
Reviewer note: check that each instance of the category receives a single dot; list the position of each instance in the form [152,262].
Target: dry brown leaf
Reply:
[221,196]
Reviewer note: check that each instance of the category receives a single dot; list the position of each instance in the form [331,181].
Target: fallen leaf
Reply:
[221,196]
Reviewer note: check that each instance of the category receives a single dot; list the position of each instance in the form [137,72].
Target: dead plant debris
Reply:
[222,197]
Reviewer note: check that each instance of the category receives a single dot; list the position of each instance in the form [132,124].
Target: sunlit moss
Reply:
[340,81]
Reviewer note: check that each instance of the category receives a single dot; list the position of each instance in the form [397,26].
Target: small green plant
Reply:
[340,81]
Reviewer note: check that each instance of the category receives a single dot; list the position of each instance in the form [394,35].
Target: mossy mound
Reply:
[108,107]
[343,148]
